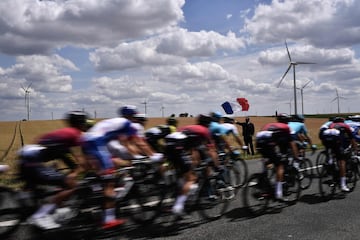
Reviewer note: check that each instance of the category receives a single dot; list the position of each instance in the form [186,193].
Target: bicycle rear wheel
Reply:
[306,173]
[292,185]
[214,198]
[351,174]
[11,212]
[327,183]
[256,194]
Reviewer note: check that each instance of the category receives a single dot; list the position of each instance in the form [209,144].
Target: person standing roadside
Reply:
[248,130]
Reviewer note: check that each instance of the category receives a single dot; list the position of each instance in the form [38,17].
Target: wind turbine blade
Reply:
[306,84]
[287,49]
[29,86]
[287,70]
[334,99]
[304,63]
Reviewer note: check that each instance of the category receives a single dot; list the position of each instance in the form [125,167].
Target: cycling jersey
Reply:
[97,137]
[296,129]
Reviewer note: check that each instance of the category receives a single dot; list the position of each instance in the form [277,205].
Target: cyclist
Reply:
[137,142]
[219,132]
[196,145]
[229,123]
[57,144]
[102,161]
[273,136]
[354,123]
[338,137]
[155,135]
[299,131]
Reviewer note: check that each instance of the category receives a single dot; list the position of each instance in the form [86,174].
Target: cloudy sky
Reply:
[177,56]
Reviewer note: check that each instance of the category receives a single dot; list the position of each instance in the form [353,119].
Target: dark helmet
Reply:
[283,118]
[298,118]
[204,120]
[338,119]
[216,116]
[171,121]
[128,110]
[76,118]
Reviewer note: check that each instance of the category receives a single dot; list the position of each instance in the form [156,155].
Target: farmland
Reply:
[11,141]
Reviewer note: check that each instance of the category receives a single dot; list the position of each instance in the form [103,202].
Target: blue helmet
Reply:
[128,110]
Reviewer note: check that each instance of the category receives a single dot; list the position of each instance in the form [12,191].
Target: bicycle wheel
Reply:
[257,193]
[321,163]
[351,173]
[145,202]
[292,185]
[238,172]
[327,183]
[214,198]
[306,173]
[11,212]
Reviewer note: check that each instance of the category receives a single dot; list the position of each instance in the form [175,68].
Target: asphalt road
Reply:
[311,218]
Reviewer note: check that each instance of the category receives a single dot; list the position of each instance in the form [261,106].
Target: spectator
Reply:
[248,130]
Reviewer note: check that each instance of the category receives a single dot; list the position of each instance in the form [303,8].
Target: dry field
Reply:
[10,141]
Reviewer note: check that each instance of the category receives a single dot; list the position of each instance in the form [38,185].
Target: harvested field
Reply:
[10,141]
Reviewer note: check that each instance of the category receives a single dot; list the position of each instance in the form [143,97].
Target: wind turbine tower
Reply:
[292,64]
[338,100]
[145,102]
[302,96]
[27,99]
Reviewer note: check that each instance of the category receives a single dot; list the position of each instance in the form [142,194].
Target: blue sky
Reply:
[177,56]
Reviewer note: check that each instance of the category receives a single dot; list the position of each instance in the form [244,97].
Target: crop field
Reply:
[11,141]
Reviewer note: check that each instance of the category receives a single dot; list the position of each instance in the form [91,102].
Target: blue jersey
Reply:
[297,128]
[355,129]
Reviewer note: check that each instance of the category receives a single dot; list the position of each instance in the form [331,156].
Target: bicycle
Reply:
[236,169]
[260,188]
[329,179]
[209,201]
[304,166]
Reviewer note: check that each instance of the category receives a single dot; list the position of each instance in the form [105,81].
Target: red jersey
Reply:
[67,137]
[277,126]
[343,128]
[201,131]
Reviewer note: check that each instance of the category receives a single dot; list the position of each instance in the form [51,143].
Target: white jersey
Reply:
[140,130]
[110,129]
[232,128]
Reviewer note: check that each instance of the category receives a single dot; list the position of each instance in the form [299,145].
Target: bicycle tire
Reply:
[212,200]
[321,162]
[11,212]
[256,194]
[238,173]
[292,185]
[327,183]
[351,174]
[306,173]
[145,202]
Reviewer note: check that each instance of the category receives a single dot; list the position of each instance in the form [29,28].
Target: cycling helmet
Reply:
[298,118]
[172,121]
[128,110]
[338,119]
[76,118]
[216,116]
[204,120]
[283,118]
[228,119]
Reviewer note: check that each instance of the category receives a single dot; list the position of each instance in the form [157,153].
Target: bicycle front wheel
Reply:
[214,198]
[256,194]
[351,174]
[238,172]
[306,173]
[321,163]
[327,183]
[11,212]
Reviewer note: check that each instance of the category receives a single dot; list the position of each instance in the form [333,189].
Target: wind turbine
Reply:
[302,96]
[162,109]
[338,100]
[27,99]
[292,64]
[145,102]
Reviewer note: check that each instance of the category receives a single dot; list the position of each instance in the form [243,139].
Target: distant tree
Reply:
[172,115]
